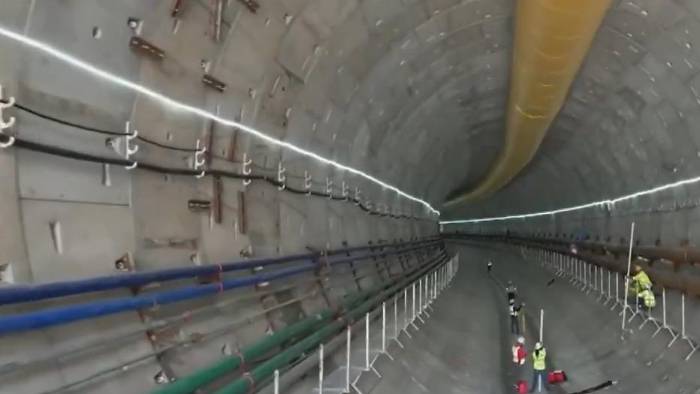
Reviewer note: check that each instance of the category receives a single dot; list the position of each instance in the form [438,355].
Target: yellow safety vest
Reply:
[538,359]
[641,281]
[648,297]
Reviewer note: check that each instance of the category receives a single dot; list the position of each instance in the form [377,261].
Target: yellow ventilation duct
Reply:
[552,38]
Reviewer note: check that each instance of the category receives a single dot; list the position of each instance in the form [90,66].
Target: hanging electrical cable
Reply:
[96,130]
[81,156]
[193,110]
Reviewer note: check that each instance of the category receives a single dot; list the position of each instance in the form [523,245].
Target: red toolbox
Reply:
[555,377]
[521,387]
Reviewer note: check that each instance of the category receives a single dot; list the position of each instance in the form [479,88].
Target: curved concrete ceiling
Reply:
[628,122]
[410,91]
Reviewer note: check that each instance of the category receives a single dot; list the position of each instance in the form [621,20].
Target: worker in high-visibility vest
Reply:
[539,365]
[647,299]
[640,280]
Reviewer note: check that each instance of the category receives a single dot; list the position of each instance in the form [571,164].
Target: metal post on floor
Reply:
[664,321]
[320,369]
[405,308]
[413,302]
[348,347]
[595,278]
[367,342]
[674,335]
[429,291]
[443,273]
[396,322]
[405,312]
[421,295]
[625,306]
[602,283]
[426,296]
[541,325]
[582,274]
[443,280]
[383,327]
[276,384]
[617,291]
[413,306]
[684,336]
[609,298]
[435,285]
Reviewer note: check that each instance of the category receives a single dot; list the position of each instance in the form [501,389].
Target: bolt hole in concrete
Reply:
[96,32]
[205,64]
[6,274]
[161,378]
[135,24]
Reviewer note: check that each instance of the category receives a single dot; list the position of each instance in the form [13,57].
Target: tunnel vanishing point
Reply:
[302,196]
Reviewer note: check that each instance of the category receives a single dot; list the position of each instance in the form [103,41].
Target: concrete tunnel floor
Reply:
[465,345]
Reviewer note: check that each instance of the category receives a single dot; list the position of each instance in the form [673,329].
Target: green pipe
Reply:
[190,383]
[204,376]
[243,385]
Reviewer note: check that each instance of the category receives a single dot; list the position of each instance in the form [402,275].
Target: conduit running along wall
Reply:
[266,369]
[34,292]
[552,38]
[66,314]
[302,328]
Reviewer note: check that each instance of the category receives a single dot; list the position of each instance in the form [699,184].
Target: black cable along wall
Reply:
[81,156]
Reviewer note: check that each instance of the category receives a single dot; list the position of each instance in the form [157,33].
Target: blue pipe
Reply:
[23,293]
[71,313]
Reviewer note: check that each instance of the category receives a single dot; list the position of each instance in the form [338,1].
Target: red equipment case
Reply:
[555,377]
[521,387]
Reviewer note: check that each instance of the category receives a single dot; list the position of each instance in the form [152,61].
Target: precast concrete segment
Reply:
[551,40]
[460,349]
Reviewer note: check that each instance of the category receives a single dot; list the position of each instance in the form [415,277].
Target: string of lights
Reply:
[596,204]
[172,103]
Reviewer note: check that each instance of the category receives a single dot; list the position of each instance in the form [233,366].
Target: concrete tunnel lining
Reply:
[410,91]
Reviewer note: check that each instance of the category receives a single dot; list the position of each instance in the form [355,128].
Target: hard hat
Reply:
[521,340]
[538,346]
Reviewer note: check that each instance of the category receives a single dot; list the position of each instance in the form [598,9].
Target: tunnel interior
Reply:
[190,184]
